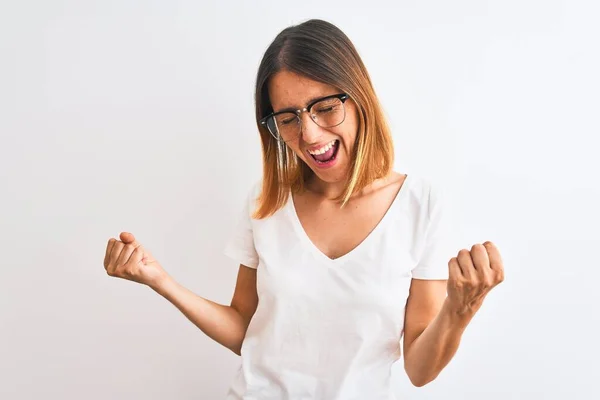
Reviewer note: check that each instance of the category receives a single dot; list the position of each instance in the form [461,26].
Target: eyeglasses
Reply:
[326,112]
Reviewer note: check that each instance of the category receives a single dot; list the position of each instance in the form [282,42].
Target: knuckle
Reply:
[463,253]
[477,246]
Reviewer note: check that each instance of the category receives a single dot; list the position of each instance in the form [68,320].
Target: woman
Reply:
[345,255]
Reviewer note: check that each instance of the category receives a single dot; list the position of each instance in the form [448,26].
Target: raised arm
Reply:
[226,325]
[434,323]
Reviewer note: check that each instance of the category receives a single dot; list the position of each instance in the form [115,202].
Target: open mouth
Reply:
[329,155]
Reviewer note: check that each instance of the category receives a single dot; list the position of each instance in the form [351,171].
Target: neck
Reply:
[331,190]
[327,190]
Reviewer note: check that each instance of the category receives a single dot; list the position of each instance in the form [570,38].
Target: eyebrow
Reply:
[310,101]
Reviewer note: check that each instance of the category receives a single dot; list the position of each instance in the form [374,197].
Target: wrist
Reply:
[459,314]
[162,284]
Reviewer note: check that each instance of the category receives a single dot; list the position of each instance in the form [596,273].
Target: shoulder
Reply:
[252,190]
[253,193]
[424,193]
[255,189]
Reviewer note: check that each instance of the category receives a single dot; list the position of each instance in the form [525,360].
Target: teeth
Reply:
[323,149]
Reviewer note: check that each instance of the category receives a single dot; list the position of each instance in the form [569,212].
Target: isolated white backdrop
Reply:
[138,116]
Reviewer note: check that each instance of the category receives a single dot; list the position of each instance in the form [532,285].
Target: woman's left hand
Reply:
[472,274]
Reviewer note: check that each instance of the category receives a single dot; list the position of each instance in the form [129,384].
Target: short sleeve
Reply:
[240,244]
[438,241]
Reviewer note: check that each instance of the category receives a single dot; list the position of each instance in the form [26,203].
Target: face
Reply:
[289,90]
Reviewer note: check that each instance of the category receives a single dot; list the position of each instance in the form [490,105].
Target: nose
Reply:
[310,130]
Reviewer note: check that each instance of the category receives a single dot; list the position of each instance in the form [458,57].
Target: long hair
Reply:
[320,51]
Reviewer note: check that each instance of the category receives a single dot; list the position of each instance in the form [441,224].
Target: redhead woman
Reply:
[345,265]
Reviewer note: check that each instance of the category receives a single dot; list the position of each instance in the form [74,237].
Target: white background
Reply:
[138,116]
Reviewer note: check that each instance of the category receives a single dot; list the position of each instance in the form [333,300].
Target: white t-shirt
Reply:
[331,329]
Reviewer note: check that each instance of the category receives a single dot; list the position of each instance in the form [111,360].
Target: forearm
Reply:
[433,349]
[219,322]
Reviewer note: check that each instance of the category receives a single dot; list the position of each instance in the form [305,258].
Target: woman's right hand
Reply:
[127,259]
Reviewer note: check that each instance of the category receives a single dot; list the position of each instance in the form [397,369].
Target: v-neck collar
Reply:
[291,208]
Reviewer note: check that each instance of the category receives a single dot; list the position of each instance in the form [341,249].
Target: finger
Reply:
[496,263]
[127,238]
[115,253]
[109,247]
[493,255]
[137,256]
[454,270]
[480,259]
[126,253]
[466,264]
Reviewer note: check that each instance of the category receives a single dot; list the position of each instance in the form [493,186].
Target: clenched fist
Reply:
[472,275]
[127,259]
